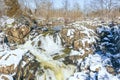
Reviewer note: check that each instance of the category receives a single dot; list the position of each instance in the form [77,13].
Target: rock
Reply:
[77,37]
[44,29]
[110,69]
[77,44]
[24,30]
[41,22]
[17,35]
[4,78]
[7,69]
[27,68]
[97,69]
[39,43]
[13,47]
[15,40]
[111,24]
[118,45]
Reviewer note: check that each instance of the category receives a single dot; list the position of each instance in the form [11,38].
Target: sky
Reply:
[59,3]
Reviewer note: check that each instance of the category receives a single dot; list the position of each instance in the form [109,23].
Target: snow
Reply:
[99,30]
[3,46]
[9,21]
[79,76]
[50,46]
[70,33]
[7,76]
[93,75]
[87,32]
[44,57]
[94,61]
[106,39]
[73,52]
[91,66]
[14,58]
[104,75]
[6,20]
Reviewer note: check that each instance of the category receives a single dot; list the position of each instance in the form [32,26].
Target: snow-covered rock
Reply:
[61,53]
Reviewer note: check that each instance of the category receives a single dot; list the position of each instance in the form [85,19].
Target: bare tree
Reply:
[77,10]
[66,6]
[104,7]
[44,7]
[2,7]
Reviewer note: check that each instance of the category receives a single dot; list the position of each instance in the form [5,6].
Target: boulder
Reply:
[77,37]
[27,68]
[77,44]
[7,69]
[110,69]
[4,78]
[17,35]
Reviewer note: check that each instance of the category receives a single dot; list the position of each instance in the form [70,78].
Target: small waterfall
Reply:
[43,57]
